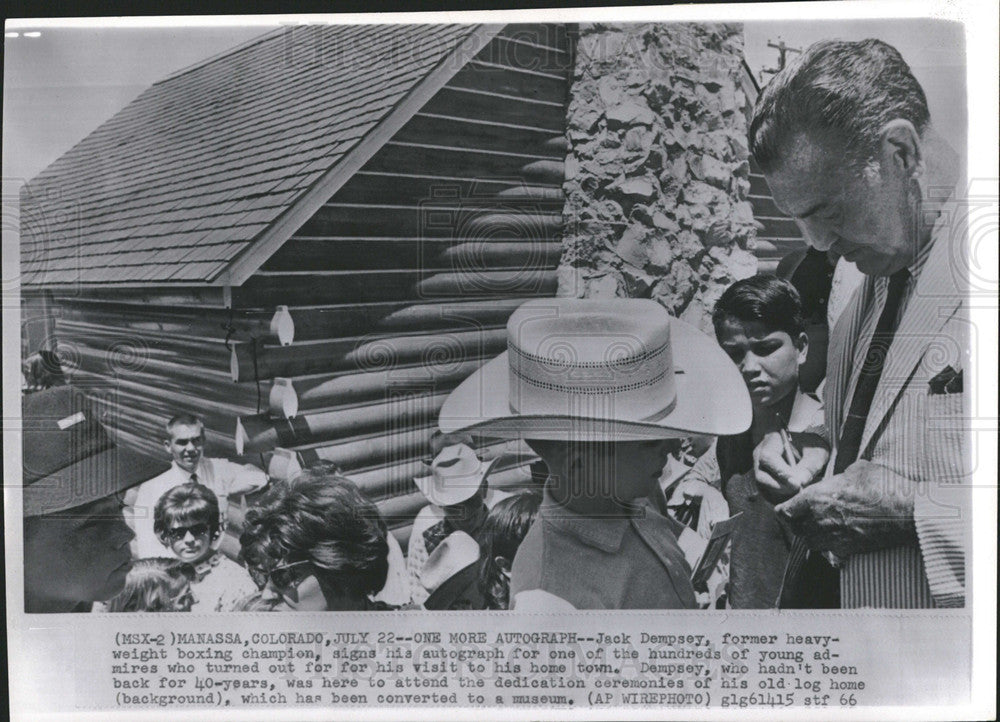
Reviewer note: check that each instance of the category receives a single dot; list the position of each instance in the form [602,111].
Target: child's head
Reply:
[186,519]
[502,532]
[156,585]
[758,322]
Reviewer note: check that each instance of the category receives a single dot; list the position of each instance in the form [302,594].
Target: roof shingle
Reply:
[183,180]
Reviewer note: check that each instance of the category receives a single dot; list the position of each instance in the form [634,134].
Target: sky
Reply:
[62,84]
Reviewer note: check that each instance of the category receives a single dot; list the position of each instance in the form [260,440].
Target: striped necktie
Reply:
[810,582]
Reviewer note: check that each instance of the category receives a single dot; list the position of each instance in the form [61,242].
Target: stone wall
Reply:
[656,176]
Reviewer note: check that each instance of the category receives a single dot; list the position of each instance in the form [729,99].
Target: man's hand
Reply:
[776,479]
[864,509]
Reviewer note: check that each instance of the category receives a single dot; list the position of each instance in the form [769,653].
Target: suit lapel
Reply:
[931,304]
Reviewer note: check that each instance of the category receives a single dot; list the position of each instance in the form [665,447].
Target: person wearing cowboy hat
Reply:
[459,497]
[601,390]
[76,541]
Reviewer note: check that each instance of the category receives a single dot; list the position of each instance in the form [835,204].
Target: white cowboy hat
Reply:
[455,552]
[600,370]
[456,474]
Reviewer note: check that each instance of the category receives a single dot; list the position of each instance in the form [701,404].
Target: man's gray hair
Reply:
[841,90]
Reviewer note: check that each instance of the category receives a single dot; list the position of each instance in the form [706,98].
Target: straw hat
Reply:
[601,370]
[456,474]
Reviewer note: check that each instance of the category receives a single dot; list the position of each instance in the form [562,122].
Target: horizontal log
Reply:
[503,107]
[171,401]
[219,419]
[328,288]
[489,77]
[210,383]
[544,171]
[289,397]
[261,432]
[763,205]
[778,227]
[157,296]
[358,453]
[758,185]
[536,282]
[460,132]
[435,220]
[355,253]
[250,362]
[132,349]
[422,187]
[337,321]
[537,46]
[441,159]
[200,322]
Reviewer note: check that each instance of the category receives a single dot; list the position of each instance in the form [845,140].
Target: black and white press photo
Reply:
[628,361]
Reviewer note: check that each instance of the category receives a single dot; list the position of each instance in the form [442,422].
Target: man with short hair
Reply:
[185,443]
[75,538]
[844,138]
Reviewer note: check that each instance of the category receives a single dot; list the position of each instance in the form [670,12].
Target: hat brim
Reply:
[95,477]
[460,488]
[711,399]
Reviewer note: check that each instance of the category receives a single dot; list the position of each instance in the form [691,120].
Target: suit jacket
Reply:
[914,432]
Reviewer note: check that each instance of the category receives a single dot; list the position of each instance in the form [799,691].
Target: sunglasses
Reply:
[179,532]
[281,576]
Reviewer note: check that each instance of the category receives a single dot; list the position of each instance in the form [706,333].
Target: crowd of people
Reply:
[651,432]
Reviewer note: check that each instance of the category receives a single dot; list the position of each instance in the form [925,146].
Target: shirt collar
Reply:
[805,408]
[199,470]
[605,533]
[204,567]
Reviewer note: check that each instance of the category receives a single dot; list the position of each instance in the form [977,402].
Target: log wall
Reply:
[344,344]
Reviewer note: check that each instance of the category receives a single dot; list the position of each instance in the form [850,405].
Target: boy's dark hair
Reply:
[771,301]
[187,504]
[847,90]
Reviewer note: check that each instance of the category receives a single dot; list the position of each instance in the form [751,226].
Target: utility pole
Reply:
[783,51]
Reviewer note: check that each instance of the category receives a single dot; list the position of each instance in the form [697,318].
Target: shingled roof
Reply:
[207,172]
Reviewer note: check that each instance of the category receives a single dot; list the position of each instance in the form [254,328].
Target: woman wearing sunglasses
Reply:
[186,521]
[317,544]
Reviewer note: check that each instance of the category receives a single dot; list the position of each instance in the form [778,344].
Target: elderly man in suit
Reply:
[844,138]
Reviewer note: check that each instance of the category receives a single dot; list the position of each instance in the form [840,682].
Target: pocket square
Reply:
[947,381]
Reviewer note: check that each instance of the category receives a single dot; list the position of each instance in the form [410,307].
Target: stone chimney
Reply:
[657,169]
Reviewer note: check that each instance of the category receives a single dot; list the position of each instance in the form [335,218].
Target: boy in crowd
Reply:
[75,537]
[758,323]
[602,390]
[186,521]
[460,497]
[185,443]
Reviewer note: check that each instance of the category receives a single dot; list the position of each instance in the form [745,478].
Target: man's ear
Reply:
[900,147]
[802,344]
[503,564]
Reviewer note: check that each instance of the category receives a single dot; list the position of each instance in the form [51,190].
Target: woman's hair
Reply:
[186,504]
[500,536]
[320,517]
[153,585]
